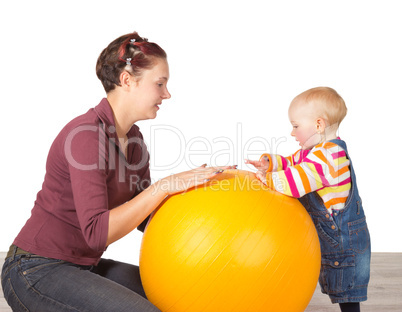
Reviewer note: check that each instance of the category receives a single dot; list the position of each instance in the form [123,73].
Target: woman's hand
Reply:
[183,181]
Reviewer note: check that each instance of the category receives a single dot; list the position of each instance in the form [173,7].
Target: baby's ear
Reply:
[321,124]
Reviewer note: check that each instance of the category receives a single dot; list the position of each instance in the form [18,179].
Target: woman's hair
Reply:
[129,52]
[328,103]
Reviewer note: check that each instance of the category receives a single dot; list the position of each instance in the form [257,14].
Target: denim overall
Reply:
[345,244]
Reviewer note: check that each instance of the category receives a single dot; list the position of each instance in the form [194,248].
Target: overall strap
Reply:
[341,143]
[353,191]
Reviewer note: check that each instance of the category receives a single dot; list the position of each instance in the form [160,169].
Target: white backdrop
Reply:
[234,65]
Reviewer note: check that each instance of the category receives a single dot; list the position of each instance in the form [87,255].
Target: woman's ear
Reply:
[126,80]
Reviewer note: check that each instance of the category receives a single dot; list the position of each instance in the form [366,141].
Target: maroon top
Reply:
[86,175]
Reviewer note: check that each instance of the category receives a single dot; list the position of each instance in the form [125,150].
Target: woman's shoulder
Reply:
[88,124]
[83,128]
[90,118]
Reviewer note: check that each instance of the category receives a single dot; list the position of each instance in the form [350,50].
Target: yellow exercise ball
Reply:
[231,245]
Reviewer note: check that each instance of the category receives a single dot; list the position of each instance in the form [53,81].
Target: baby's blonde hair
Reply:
[327,102]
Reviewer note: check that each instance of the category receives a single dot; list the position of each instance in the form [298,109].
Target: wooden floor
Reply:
[384,292]
[385,289]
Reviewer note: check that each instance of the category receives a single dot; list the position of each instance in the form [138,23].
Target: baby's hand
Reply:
[260,165]
[261,175]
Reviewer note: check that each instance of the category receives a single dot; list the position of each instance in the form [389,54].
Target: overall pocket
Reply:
[328,242]
[359,237]
[337,273]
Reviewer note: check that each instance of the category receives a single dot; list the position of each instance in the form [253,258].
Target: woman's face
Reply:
[149,90]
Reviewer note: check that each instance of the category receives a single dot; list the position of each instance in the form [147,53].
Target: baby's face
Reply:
[304,124]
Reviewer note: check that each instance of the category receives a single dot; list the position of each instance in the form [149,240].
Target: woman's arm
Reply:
[126,217]
[100,225]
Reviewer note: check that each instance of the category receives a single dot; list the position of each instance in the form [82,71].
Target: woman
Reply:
[96,190]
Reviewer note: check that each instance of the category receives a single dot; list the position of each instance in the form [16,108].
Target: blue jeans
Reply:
[345,243]
[34,283]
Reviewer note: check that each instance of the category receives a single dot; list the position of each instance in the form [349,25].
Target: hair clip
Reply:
[132,40]
[128,61]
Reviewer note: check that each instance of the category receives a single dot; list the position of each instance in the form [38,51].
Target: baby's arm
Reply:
[261,165]
[277,162]
[321,168]
[268,163]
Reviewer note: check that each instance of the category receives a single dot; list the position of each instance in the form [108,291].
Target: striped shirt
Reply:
[324,168]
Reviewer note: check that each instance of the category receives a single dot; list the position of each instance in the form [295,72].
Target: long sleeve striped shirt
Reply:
[324,168]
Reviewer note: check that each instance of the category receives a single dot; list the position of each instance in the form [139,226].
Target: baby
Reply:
[320,174]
